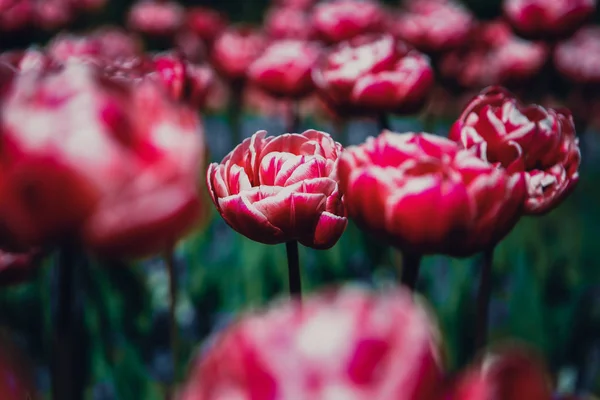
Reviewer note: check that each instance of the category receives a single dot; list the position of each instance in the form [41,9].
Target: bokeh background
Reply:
[546,276]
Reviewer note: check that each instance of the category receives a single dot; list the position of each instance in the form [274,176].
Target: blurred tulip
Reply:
[434,26]
[297,4]
[540,142]
[284,69]
[283,188]
[495,56]
[52,14]
[257,101]
[16,15]
[509,374]
[340,20]
[344,344]
[190,46]
[543,19]
[156,18]
[373,75]
[235,50]
[160,201]
[120,163]
[289,23]
[26,60]
[205,23]
[116,42]
[423,193]
[578,58]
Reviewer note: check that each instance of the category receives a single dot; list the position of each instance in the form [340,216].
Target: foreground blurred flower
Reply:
[156,18]
[504,374]
[341,20]
[543,19]
[283,188]
[578,58]
[425,195]
[284,69]
[289,23]
[235,50]
[433,26]
[540,142]
[119,163]
[373,75]
[345,344]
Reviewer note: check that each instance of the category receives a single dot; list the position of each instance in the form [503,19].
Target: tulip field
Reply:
[299,200]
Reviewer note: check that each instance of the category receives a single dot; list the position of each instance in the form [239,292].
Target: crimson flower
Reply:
[289,23]
[425,194]
[504,374]
[284,69]
[341,20]
[540,142]
[578,58]
[297,4]
[156,18]
[235,50]
[342,344]
[283,188]
[496,56]
[117,164]
[542,19]
[433,26]
[205,23]
[373,75]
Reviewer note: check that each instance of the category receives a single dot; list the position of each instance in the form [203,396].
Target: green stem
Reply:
[293,260]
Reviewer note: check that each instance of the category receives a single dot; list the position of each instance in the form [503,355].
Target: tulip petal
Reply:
[328,231]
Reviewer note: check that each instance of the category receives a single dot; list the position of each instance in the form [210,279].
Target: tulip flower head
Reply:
[235,49]
[205,23]
[543,19]
[584,47]
[340,20]
[424,193]
[156,18]
[289,23]
[537,141]
[277,189]
[284,69]
[373,75]
[433,26]
[345,344]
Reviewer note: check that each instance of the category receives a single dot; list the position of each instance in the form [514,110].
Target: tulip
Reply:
[155,18]
[373,75]
[295,4]
[341,20]
[235,50]
[504,374]
[207,24]
[344,344]
[434,26]
[282,189]
[583,47]
[541,19]
[16,16]
[289,23]
[531,139]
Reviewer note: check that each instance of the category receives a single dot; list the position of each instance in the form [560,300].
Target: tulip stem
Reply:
[410,269]
[384,123]
[67,380]
[484,295]
[293,259]
[173,327]
[293,117]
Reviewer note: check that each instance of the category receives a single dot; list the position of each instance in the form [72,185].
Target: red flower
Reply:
[579,57]
[119,163]
[539,19]
[52,14]
[205,23]
[541,142]
[341,20]
[277,189]
[424,193]
[284,69]
[15,15]
[289,23]
[116,42]
[156,18]
[496,56]
[297,4]
[345,344]
[504,375]
[434,26]
[373,75]
[235,50]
